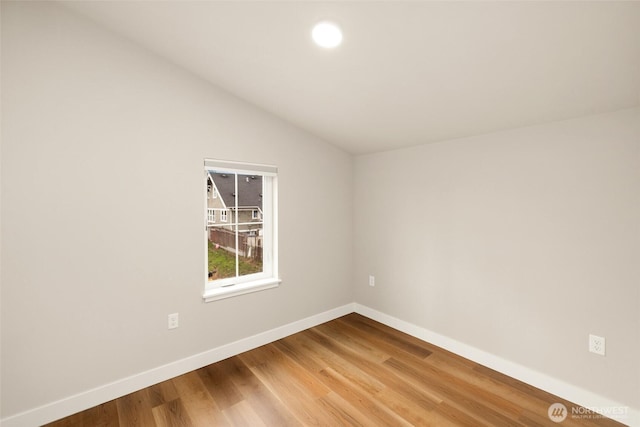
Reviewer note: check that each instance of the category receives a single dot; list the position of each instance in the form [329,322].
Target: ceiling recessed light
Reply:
[327,34]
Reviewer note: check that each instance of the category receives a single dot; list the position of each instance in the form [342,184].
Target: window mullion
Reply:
[236,221]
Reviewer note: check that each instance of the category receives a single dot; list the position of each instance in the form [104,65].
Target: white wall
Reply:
[518,243]
[102,223]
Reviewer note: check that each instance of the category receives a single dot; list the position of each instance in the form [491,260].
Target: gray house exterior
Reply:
[223,214]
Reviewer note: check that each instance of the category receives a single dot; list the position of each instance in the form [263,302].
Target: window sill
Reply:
[240,289]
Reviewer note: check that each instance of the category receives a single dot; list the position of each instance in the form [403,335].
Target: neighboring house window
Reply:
[241,250]
[211,216]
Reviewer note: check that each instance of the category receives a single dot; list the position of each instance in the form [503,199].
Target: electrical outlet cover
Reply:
[173,321]
[597,344]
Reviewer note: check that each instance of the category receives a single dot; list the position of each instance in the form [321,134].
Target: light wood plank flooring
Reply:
[351,371]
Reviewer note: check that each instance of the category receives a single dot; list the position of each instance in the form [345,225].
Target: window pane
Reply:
[222,249]
[250,192]
[221,231]
[234,222]
[250,254]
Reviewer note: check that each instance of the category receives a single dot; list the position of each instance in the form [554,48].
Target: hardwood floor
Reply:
[351,371]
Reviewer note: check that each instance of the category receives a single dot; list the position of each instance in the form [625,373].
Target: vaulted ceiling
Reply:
[408,72]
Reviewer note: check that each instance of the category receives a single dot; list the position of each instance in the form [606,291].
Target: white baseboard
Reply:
[90,398]
[539,380]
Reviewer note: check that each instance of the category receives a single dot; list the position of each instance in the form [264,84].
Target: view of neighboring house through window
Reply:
[241,244]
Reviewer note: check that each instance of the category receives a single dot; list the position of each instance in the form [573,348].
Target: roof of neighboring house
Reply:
[249,189]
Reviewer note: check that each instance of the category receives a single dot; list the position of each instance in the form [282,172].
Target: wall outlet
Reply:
[372,281]
[597,344]
[173,320]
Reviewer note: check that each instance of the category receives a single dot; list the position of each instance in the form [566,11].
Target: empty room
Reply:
[339,213]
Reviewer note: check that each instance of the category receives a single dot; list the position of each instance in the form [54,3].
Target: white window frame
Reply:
[255,214]
[223,215]
[269,277]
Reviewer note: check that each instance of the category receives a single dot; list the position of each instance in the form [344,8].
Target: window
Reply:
[241,249]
